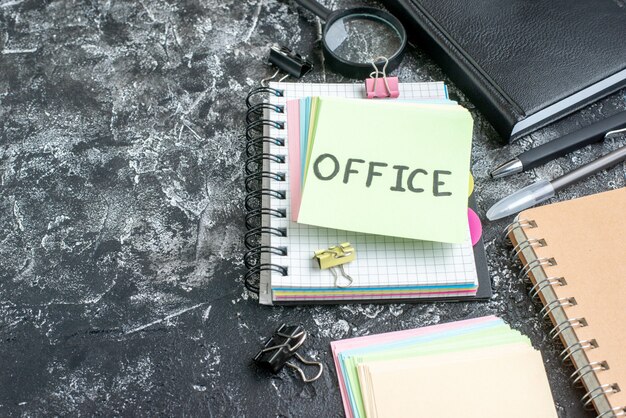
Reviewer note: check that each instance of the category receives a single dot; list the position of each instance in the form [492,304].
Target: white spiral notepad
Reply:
[385,268]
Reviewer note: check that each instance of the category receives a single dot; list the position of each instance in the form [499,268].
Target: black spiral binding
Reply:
[255,192]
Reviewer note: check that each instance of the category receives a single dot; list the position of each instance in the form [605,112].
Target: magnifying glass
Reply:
[354,38]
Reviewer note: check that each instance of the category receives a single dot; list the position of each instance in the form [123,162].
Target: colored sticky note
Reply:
[310,139]
[370,341]
[485,382]
[476,227]
[371,370]
[394,169]
[465,339]
[293,142]
[305,107]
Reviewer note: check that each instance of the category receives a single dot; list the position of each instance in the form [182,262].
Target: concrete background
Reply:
[121,214]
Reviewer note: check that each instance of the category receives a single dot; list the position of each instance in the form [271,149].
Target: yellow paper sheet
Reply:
[487,383]
[385,168]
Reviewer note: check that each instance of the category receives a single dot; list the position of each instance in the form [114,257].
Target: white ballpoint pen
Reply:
[545,189]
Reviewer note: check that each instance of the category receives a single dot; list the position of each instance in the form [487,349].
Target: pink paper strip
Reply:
[356,295]
[358,342]
[476,228]
[293,143]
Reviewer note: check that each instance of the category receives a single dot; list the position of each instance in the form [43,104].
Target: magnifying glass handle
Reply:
[316,8]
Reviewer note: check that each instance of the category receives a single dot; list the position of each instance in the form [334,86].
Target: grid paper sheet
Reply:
[381,261]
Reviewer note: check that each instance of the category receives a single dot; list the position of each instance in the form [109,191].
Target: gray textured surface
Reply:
[121,214]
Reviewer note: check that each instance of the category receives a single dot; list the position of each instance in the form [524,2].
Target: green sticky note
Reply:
[389,168]
[311,133]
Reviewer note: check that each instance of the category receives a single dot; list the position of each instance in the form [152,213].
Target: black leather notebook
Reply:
[523,63]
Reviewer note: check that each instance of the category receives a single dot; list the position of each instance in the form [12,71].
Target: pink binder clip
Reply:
[389,86]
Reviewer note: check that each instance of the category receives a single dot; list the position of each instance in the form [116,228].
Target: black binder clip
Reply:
[289,62]
[281,347]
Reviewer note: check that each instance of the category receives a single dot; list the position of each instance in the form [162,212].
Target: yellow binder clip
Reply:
[336,257]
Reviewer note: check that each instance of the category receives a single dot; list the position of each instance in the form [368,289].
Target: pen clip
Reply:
[615,132]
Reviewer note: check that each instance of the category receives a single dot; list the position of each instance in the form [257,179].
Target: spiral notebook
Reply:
[279,258]
[574,254]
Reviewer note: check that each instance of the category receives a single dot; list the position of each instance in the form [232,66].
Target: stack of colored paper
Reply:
[390,168]
[424,136]
[475,368]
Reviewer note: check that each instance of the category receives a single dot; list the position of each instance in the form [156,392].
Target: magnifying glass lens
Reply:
[361,38]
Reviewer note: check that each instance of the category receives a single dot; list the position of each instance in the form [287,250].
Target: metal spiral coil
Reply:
[530,266]
[255,175]
[522,223]
[538,287]
[546,311]
[619,411]
[529,243]
[262,91]
[257,110]
[567,324]
[253,217]
[250,258]
[582,371]
[577,346]
[604,389]
[536,290]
